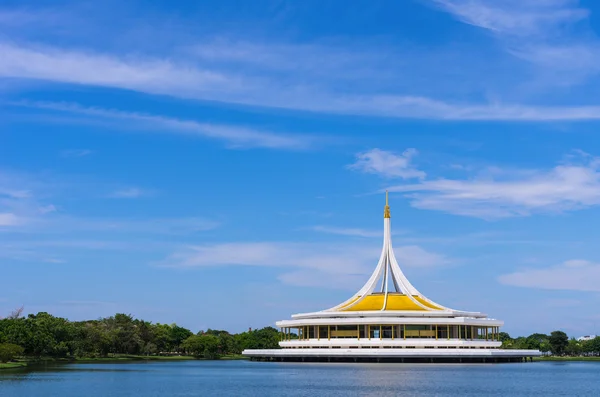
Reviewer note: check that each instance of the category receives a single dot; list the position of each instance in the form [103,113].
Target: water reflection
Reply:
[240,378]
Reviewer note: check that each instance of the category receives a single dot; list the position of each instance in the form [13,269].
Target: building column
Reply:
[448,331]
[404,325]
[393,326]
[436,332]
[329,332]
[358,332]
[380,333]
[369,331]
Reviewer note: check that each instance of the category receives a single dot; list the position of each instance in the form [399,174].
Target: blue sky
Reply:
[222,165]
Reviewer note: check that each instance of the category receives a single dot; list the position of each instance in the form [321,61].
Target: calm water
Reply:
[241,378]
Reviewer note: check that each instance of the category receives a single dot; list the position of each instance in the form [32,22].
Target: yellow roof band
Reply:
[394,302]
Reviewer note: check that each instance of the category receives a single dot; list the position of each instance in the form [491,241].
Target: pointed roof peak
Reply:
[386,210]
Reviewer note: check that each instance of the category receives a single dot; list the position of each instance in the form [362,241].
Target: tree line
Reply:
[44,335]
[557,343]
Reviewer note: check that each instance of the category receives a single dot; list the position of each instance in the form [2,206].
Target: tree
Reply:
[9,351]
[206,346]
[545,347]
[591,347]
[264,338]
[504,336]
[573,348]
[534,341]
[178,335]
[16,313]
[558,342]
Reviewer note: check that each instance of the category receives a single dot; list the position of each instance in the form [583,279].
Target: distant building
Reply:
[586,337]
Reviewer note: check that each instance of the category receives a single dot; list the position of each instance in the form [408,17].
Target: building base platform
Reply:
[393,355]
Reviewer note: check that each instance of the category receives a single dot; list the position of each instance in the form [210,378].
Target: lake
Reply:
[244,378]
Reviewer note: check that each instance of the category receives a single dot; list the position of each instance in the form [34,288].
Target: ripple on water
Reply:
[242,378]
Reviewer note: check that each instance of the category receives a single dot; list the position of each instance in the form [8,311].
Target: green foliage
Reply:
[43,335]
[205,345]
[9,351]
[573,347]
[265,338]
[503,336]
[591,347]
[558,342]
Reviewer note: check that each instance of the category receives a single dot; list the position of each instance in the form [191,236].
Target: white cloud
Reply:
[315,76]
[76,153]
[568,186]
[576,275]
[415,256]
[47,209]
[342,231]
[21,207]
[515,17]
[9,219]
[388,164]
[131,192]
[187,80]
[312,264]
[236,136]
[147,75]
[18,206]
[164,226]
[541,32]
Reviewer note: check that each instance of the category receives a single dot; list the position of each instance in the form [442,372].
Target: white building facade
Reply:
[388,319]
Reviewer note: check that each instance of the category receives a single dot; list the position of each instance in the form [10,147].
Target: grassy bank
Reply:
[112,359]
[233,357]
[12,365]
[129,357]
[554,358]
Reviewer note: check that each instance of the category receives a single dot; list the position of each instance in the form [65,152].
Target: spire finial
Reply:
[386,211]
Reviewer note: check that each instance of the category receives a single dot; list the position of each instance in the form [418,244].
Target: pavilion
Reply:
[388,319]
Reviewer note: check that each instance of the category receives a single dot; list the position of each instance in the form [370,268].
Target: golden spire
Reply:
[386,210]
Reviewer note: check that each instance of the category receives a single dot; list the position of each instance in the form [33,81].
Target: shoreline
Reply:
[13,365]
[25,363]
[579,358]
[125,358]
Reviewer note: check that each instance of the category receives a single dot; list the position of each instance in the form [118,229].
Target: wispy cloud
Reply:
[9,219]
[60,224]
[515,17]
[542,32]
[236,136]
[388,164]
[307,263]
[343,231]
[18,204]
[76,153]
[128,193]
[147,75]
[186,79]
[575,275]
[32,229]
[496,193]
